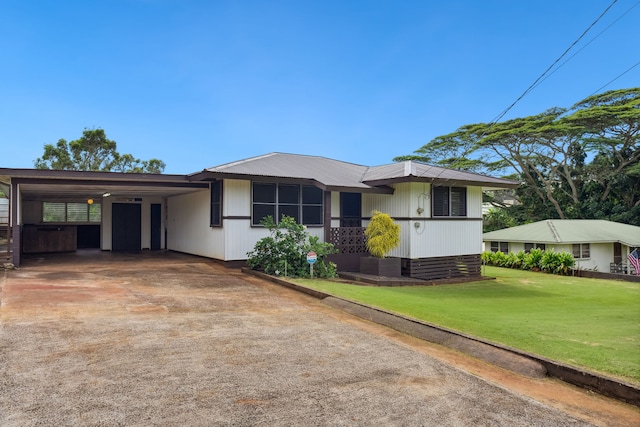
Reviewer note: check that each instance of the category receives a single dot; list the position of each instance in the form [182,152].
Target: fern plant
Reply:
[382,234]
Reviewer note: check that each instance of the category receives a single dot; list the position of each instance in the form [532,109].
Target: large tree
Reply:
[581,162]
[93,152]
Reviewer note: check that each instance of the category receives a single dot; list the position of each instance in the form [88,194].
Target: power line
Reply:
[588,43]
[611,81]
[501,115]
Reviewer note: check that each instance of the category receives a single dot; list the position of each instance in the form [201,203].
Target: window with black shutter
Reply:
[449,201]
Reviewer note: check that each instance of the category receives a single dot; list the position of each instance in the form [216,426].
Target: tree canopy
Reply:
[93,152]
[579,162]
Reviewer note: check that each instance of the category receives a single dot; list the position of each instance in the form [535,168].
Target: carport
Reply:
[63,211]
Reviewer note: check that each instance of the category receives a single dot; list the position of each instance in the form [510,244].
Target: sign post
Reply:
[311,258]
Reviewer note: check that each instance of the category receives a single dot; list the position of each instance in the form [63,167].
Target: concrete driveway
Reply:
[169,339]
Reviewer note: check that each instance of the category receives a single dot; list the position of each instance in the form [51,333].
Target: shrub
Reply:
[532,259]
[284,252]
[382,234]
[535,260]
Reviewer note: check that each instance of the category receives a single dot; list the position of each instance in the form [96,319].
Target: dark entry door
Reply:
[156,226]
[617,252]
[126,227]
[350,210]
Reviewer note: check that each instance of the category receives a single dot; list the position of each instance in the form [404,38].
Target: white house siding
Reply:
[446,238]
[600,257]
[335,209]
[398,205]
[411,204]
[188,226]
[236,195]
[474,202]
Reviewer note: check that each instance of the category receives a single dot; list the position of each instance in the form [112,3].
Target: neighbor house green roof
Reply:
[558,231]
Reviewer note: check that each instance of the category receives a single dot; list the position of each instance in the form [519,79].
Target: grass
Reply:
[590,323]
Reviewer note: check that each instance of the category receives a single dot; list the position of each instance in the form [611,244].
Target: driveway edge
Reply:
[508,358]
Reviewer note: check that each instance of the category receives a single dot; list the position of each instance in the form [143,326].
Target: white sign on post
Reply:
[311,258]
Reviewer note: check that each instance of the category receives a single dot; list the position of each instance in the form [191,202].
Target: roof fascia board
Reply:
[383,189]
[111,182]
[209,176]
[52,174]
[447,182]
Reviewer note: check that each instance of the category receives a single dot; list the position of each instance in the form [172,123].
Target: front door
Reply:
[156,226]
[350,210]
[126,227]
[617,253]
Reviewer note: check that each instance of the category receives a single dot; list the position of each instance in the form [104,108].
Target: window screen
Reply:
[305,204]
[216,203]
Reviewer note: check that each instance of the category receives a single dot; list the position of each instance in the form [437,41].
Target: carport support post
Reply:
[14,235]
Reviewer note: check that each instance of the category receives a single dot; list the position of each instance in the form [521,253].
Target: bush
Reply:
[382,234]
[284,252]
[535,260]
[532,260]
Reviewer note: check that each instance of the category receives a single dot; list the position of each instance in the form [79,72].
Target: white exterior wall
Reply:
[600,256]
[420,236]
[188,228]
[335,208]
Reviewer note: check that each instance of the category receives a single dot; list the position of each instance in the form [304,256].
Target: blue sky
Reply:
[201,83]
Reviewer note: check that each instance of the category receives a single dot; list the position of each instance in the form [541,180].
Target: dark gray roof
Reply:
[335,174]
[421,172]
[328,172]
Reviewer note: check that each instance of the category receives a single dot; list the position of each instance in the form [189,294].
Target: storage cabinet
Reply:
[49,238]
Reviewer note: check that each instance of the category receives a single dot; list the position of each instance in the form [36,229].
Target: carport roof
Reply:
[66,183]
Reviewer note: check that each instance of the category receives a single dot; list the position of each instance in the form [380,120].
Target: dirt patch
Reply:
[188,342]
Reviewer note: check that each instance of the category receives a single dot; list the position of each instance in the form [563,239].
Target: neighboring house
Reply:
[595,244]
[216,212]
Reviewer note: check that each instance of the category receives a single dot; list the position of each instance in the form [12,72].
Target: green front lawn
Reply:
[582,322]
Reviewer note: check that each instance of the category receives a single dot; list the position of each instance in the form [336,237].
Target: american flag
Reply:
[633,259]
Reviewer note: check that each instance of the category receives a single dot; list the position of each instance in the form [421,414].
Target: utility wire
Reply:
[501,115]
[587,44]
[611,81]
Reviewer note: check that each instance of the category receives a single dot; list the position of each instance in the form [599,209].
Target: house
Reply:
[595,244]
[216,212]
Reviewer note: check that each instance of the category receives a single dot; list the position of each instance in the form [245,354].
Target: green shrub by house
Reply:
[536,260]
[285,251]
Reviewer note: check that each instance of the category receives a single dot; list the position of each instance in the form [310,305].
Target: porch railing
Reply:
[348,240]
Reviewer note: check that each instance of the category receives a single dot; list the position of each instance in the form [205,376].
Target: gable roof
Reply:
[422,172]
[558,231]
[333,174]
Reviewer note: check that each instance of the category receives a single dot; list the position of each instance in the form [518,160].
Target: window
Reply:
[216,204]
[304,203]
[71,212]
[581,250]
[529,246]
[500,247]
[449,201]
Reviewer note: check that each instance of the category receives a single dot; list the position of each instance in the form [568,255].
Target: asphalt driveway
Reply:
[169,339]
